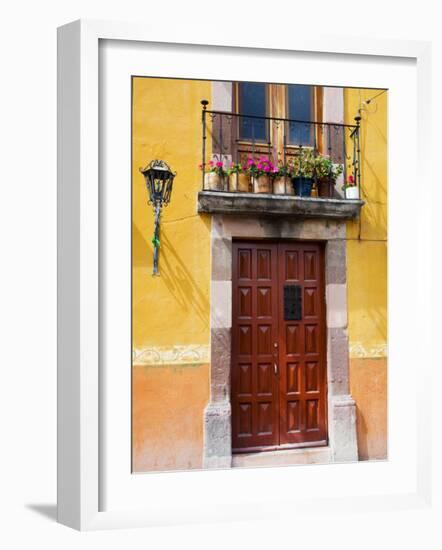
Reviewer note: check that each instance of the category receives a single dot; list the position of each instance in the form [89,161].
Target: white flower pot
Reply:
[352,192]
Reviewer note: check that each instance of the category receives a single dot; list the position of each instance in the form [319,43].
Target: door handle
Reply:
[275,368]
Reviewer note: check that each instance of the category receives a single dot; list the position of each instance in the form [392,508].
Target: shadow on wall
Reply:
[372,443]
[374,216]
[180,281]
[175,274]
[361,434]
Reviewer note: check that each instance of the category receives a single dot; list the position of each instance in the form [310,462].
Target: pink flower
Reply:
[211,163]
[351,179]
[266,168]
[250,161]
[219,164]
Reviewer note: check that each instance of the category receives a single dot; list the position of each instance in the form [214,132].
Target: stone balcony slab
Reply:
[254,204]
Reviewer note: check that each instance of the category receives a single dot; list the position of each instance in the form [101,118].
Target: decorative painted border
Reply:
[171,355]
[359,351]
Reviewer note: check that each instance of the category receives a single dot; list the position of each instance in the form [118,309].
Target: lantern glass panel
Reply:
[159,181]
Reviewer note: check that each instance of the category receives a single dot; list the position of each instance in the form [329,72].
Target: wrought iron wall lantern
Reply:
[159,181]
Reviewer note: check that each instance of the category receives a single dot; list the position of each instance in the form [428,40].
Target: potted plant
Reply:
[260,172]
[326,173]
[239,179]
[282,183]
[303,171]
[214,176]
[351,188]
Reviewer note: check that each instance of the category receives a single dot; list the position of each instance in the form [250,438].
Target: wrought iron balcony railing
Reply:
[232,138]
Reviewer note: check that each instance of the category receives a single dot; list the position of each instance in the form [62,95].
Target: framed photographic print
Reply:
[233,282]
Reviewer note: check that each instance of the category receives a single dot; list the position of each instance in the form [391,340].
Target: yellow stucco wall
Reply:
[171,326]
[174,307]
[367,276]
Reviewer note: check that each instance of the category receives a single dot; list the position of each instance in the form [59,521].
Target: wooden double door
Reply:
[279,386]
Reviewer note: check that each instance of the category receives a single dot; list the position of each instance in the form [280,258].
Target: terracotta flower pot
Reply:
[325,188]
[239,182]
[213,182]
[289,189]
[352,192]
[262,184]
[282,185]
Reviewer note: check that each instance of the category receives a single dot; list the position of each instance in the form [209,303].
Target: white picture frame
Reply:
[80,392]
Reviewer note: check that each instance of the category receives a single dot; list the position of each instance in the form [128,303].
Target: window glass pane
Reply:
[252,101]
[300,107]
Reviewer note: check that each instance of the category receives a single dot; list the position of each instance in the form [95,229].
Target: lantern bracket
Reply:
[159,182]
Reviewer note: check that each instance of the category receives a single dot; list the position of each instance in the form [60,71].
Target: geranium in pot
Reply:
[214,176]
[326,173]
[303,171]
[239,179]
[282,183]
[260,172]
[351,188]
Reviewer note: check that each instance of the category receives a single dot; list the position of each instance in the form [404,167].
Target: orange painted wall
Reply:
[167,416]
[368,386]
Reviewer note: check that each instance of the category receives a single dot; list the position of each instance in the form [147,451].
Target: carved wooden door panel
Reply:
[278,346]
[255,387]
[301,344]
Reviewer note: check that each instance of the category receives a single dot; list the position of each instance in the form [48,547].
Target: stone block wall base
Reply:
[342,425]
[217,435]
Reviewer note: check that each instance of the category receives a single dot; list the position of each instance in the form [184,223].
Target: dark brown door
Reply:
[278,346]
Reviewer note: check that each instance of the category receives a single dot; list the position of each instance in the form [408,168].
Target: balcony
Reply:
[267,166]
[261,204]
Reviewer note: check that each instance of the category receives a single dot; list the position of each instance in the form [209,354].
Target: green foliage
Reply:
[325,168]
[308,164]
[235,168]
[282,170]
[303,164]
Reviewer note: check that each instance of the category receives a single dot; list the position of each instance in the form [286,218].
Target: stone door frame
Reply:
[342,438]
